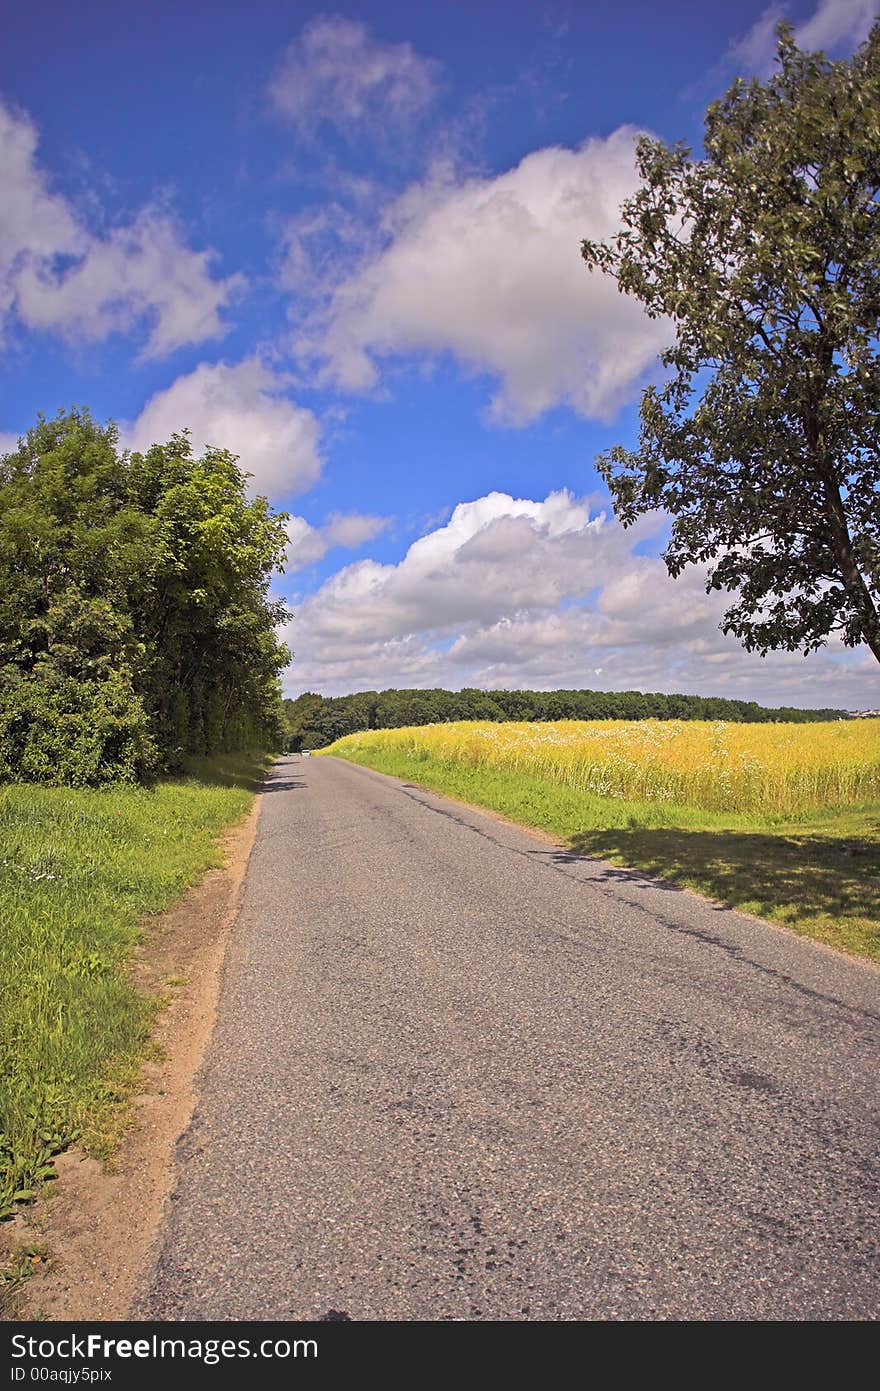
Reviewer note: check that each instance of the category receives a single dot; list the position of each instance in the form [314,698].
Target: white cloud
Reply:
[8,442]
[56,275]
[515,592]
[316,246]
[242,408]
[755,51]
[490,270]
[834,24]
[349,530]
[305,544]
[336,73]
[495,555]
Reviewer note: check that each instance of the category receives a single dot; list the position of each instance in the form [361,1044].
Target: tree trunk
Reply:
[853,582]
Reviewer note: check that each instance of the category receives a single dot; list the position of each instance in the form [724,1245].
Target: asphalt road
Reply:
[458,1073]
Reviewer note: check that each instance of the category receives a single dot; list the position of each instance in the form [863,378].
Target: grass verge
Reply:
[79,870]
[817,874]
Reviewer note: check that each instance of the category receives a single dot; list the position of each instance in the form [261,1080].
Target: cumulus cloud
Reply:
[834,24]
[242,408]
[337,73]
[489,270]
[349,530]
[516,592]
[57,275]
[8,442]
[493,555]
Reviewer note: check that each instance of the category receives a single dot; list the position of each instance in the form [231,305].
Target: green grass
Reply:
[818,873]
[79,869]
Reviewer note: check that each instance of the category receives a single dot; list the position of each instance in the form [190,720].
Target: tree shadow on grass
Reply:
[228,770]
[250,772]
[826,886]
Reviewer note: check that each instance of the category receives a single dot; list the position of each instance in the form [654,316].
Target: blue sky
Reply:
[344,242]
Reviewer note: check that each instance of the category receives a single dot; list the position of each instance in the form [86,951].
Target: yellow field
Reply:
[759,768]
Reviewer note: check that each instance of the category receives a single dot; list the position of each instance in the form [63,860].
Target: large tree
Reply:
[763,440]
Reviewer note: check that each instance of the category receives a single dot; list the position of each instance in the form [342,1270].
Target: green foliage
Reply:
[314,721]
[136,626]
[764,441]
[77,732]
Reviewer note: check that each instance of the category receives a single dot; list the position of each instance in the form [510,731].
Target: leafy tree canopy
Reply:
[763,443]
[136,625]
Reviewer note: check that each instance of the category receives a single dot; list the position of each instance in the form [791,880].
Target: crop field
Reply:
[782,820]
[765,768]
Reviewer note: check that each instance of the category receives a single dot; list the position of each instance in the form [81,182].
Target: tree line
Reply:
[314,721]
[136,624]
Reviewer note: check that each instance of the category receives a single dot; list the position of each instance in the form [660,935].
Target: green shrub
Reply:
[63,730]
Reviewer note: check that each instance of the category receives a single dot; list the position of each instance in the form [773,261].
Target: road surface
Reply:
[459,1073]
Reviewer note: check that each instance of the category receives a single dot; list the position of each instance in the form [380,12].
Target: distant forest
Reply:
[315,720]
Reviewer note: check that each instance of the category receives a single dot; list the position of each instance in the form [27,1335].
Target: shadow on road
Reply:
[835,877]
[244,771]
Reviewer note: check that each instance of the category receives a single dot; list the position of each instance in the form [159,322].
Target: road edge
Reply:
[99,1222]
[559,842]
